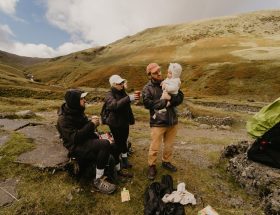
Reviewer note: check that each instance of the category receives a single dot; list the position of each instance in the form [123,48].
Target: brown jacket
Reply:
[151,94]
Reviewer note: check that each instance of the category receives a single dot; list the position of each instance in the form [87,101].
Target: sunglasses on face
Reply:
[122,83]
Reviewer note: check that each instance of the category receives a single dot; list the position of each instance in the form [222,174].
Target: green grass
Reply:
[16,145]
[36,105]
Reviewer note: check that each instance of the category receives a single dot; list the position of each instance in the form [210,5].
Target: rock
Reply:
[236,202]
[186,113]
[225,127]
[257,179]
[49,151]
[205,126]
[26,114]
[8,191]
[214,120]
[13,124]
[232,150]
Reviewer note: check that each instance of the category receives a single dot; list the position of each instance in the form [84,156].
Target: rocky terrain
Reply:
[254,177]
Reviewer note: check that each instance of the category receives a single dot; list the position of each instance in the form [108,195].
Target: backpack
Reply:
[104,114]
[153,204]
[152,200]
[266,149]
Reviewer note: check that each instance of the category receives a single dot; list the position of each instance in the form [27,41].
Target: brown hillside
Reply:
[18,61]
[233,57]
[15,79]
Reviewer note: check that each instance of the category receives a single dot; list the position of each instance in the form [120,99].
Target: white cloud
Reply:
[44,51]
[36,50]
[69,47]
[8,6]
[5,36]
[104,21]
[5,30]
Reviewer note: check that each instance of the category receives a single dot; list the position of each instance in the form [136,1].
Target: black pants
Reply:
[120,135]
[95,151]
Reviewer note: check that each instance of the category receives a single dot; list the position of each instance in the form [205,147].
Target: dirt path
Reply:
[195,144]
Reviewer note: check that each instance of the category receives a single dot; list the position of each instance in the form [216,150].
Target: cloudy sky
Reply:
[49,28]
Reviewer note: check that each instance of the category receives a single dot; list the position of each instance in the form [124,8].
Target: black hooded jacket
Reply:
[72,124]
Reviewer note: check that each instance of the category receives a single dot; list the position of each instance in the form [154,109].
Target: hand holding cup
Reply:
[137,94]
[95,120]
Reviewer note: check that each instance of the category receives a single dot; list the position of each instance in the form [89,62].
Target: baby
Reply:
[172,83]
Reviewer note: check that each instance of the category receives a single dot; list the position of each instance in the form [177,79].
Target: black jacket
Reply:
[151,94]
[120,112]
[73,125]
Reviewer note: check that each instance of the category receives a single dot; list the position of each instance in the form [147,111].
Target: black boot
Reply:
[125,164]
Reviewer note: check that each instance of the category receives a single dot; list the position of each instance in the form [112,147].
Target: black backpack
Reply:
[152,200]
[266,149]
[153,205]
[104,114]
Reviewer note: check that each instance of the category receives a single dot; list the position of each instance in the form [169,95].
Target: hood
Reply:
[72,98]
[176,70]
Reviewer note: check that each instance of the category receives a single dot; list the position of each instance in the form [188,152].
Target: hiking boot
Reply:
[124,174]
[125,164]
[104,186]
[152,171]
[169,166]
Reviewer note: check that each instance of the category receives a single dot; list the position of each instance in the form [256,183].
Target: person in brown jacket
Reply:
[163,124]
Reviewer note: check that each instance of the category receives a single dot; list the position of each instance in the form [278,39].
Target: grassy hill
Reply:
[233,57]
[18,61]
[15,79]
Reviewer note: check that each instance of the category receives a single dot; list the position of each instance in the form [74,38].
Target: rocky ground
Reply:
[254,177]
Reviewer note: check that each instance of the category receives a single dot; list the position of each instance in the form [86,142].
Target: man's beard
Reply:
[157,80]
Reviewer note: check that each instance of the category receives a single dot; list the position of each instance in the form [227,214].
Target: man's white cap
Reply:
[83,95]
[176,69]
[116,79]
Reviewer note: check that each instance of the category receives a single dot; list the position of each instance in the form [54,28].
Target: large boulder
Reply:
[254,177]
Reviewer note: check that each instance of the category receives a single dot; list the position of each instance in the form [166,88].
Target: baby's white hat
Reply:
[176,69]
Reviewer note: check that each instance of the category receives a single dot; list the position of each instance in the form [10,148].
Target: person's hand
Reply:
[166,96]
[164,86]
[95,120]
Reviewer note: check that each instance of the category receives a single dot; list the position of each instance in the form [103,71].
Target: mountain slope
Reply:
[18,61]
[15,80]
[231,57]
